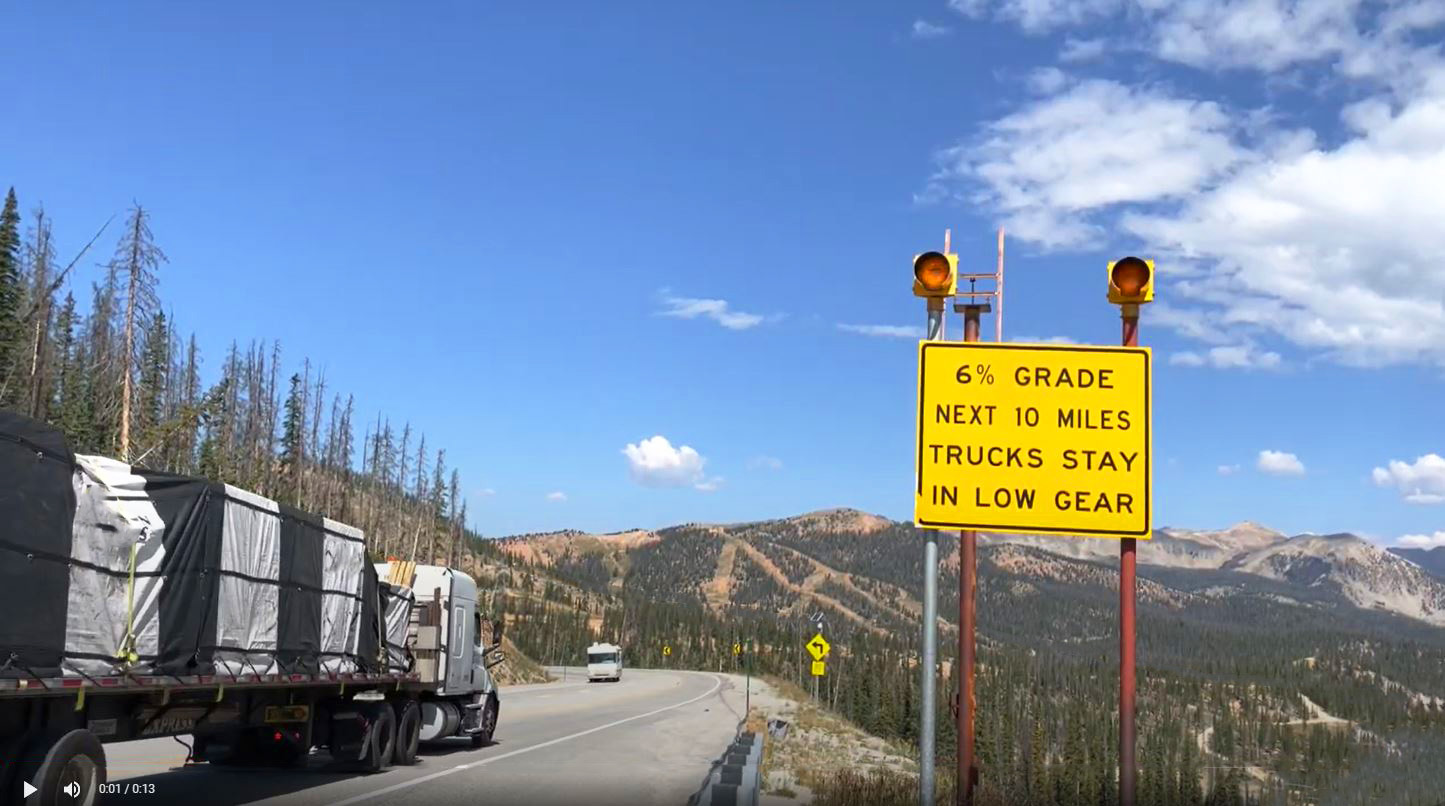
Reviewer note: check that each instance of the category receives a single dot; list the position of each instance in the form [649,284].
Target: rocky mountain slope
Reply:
[1432,560]
[866,570]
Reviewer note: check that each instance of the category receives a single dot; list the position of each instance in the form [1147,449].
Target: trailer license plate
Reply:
[286,713]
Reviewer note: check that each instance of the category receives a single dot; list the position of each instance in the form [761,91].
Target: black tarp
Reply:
[298,629]
[37,508]
[370,637]
[191,509]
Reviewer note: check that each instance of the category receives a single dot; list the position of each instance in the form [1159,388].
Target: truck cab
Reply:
[604,662]
[444,634]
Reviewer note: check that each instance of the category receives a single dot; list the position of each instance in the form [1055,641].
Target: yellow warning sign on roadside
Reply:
[818,647]
[818,668]
[737,648]
[1045,439]
[666,650]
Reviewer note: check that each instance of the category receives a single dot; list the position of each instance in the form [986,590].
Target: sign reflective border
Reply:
[1034,439]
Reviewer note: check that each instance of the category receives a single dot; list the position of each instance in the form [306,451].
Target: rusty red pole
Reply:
[967,770]
[1129,313]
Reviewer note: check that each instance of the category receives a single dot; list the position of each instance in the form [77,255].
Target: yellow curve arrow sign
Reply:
[818,647]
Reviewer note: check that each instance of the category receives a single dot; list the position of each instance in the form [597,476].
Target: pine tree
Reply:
[72,403]
[10,298]
[104,366]
[1187,792]
[1072,775]
[1038,759]
[151,389]
[293,444]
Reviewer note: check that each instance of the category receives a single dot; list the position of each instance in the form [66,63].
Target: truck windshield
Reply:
[601,657]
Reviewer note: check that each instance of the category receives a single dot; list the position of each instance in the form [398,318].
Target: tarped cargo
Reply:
[119,568]
[397,602]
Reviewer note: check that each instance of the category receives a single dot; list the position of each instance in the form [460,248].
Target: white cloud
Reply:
[1420,482]
[923,29]
[486,492]
[1228,470]
[765,463]
[557,496]
[1233,356]
[714,309]
[1329,242]
[654,462]
[711,485]
[1037,16]
[1047,167]
[1043,340]
[1047,80]
[1082,50]
[885,331]
[1265,35]
[1422,541]
[1279,463]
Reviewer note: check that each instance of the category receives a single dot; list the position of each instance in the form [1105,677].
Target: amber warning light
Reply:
[935,274]
[1131,280]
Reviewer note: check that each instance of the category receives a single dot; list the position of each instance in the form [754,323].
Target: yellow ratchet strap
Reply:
[126,653]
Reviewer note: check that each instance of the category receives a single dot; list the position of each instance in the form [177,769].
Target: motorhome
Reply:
[604,662]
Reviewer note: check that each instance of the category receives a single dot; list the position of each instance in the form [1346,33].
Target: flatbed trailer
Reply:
[299,643]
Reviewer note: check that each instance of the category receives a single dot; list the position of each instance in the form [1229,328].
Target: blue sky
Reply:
[544,233]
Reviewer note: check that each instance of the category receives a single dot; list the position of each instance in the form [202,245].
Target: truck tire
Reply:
[408,734]
[483,737]
[381,742]
[76,759]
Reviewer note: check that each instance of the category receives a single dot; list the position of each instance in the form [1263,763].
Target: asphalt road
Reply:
[648,739]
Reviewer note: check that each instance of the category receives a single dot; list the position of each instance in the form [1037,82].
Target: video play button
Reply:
[29,790]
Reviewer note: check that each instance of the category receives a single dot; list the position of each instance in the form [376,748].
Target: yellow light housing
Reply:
[935,275]
[1131,280]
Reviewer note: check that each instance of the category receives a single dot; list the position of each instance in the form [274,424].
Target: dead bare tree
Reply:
[139,258]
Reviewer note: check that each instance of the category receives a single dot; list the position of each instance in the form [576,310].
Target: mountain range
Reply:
[867,570]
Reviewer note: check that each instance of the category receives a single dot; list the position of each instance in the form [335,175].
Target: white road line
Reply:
[397,787]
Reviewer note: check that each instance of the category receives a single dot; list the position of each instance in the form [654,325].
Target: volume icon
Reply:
[72,789]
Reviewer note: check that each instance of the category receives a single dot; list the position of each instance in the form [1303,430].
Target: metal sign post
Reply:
[928,664]
[1127,598]
[966,770]
[1131,283]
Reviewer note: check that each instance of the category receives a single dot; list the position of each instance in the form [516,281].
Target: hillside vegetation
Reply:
[1249,686]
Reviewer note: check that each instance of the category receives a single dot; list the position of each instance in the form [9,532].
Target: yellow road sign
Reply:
[818,647]
[1046,439]
[737,649]
[666,650]
[817,668]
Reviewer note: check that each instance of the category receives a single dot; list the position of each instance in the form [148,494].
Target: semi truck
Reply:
[604,662]
[143,604]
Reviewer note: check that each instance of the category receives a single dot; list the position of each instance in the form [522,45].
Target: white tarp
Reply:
[113,516]
[398,618]
[248,597]
[340,605]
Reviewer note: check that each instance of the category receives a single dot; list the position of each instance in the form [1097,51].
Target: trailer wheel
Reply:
[408,734]
[483,737]
[76,759]
[381,738]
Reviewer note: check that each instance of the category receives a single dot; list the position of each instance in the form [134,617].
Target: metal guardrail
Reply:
[734,779]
